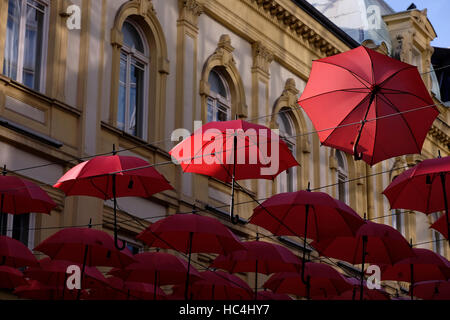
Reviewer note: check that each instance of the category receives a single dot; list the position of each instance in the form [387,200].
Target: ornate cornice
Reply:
[262,57]
[287,19]
[440,135]
[190,10]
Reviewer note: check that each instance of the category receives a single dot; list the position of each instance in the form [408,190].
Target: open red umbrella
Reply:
[426,265]
[440,225]
[422,188]
[15,254]
[110,177]
[432,290]
[234,150]
[374,242]
[259,257]
[117,289]
[38,291]
[157,268]
[217,285]
[324,281]
[191,233]
[313,215]
[368,294]
[269,295]
[368,104]
[11,278]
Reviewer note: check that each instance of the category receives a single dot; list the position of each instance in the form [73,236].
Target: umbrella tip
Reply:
[439,153]
[114,152]
[4,172]
[309,186]
[90,223]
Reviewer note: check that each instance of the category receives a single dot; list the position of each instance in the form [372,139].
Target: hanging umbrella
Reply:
[86,246]
[374,242]
[269,295]
[15,254]
[38,291]
[432,290]
[368,294]
[422,188]
[324,281]
[11,278]
[313,215]
[368,104]
[217,285]
[19,196]
[54,273]
[190,233]
[157,268]
[259,257]
[111,177]
[234,150]
[440,225]
[426,265]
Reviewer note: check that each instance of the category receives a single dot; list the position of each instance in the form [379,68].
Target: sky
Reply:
[438,13]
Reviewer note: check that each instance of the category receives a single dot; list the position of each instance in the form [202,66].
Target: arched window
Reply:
[132,101]
[342,176]
[287,182]
[219,99]
[398,220]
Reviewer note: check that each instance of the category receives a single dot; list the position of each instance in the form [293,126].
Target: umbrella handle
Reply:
[234,219]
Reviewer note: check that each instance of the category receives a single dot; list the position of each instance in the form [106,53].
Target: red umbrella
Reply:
[15,254]
[426,265]
[368,104]
[117,289]
[110,177]
[217,285]
[22,196]
[259,257]
[374,243]
[234,150]
[324,281]
[157,268]
[85,246]
[11,278]
[190,233]
[422,188]
[313,215]
[269,295]
[54,273]
[432,290]
[38,291]
[368,294]
[440,225]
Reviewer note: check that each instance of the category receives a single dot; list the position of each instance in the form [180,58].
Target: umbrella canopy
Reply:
[368,294]
[383,245]
[212,150]
[440,225]
[38,291]
[432,290]
[217,285]
[362,101]
[426,265]
[207,235]
[269,295]
[324,282]
[88,246]
[258,256]
[157,267]
[321,215]
[54,273]
[15,254]
[19,196]
[11,278]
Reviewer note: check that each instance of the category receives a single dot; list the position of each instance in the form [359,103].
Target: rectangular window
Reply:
[24,45]
[16,226]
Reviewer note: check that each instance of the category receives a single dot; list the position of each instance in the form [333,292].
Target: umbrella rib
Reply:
[354,90]
[349,71]
[403,92]
[401,115]
[395,73]
[99,189]
[201,150]
[429,192]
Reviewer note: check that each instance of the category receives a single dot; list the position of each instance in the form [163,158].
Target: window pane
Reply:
[216,84]
[222,113]
[210,116]
[12,39]
[33,47]
[122,96]
[134,112]
[3,223]
[21,224]
[131,37]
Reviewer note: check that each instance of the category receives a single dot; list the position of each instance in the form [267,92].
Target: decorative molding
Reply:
[190,10]
[262,58]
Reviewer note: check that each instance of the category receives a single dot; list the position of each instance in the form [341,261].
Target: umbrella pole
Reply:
[364,242]
[234,219]
[304,243]
[412,280]
[442,175]
[356,155]
[186,288]
[116,239]
[308,288]
[86,248]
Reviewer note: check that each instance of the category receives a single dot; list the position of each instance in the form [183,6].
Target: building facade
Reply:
[137,70]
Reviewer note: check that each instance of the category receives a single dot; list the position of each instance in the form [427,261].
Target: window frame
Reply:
[143,58]
[218,100]
[342,175]
[31,224]
[288,175]
[21,46]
